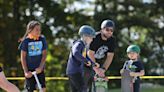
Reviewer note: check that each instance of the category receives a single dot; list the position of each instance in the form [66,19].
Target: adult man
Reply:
[102,47]
[101,51]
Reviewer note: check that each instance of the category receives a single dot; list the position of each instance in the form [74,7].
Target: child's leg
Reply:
[42,81]
[136,86]
[30,84]
[72,86]
[77,82]
[6,85]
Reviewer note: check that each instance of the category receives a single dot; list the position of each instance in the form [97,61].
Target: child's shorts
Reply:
[0,69]
[30,83]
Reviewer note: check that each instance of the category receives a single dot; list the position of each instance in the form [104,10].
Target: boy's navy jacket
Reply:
[34,50]
[76,59]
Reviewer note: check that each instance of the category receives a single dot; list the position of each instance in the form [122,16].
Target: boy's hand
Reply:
[28,74]
[133,74]
[88,63]
[121,71]
[38,70]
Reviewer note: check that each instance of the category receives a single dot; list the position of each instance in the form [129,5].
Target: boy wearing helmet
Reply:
[103,46]
[132,70]
[77,59]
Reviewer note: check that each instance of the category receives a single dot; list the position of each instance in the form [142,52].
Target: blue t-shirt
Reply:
[34,50]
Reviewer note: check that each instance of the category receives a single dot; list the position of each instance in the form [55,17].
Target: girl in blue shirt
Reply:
[33,55]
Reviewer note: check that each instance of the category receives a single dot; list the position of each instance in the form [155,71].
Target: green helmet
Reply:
[133,48]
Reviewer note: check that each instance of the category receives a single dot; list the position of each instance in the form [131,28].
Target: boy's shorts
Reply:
[30,83]
[0,69]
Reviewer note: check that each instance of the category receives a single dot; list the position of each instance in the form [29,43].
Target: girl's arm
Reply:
[41,66]
[44,55]
[23,61]
[27,73]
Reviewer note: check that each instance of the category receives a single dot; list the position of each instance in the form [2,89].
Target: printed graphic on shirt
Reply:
[100,53]
[132,68]
[129,66]
[35,48]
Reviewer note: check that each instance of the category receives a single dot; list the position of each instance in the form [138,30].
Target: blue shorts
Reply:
[30,83]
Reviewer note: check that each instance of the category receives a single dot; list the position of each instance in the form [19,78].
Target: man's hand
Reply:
[96,69]
[101,72]
[38,70]
[28,74]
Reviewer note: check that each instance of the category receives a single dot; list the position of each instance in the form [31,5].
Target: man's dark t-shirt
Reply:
[102,47]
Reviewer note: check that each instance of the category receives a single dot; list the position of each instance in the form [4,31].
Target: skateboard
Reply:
[126,82]
[100,84]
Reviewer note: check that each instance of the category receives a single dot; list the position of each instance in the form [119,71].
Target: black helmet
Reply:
[107,23]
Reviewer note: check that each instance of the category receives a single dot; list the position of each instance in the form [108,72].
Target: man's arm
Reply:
[108,60]
[91,55]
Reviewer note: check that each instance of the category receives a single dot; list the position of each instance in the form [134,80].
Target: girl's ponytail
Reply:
[30,26]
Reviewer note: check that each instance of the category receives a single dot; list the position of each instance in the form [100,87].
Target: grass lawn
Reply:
[160,89]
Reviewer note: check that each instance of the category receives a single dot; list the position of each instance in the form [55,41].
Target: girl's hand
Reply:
[28,74]
[133,74]
[38,70]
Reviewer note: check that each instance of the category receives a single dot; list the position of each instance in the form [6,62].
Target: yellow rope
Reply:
[66,78]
